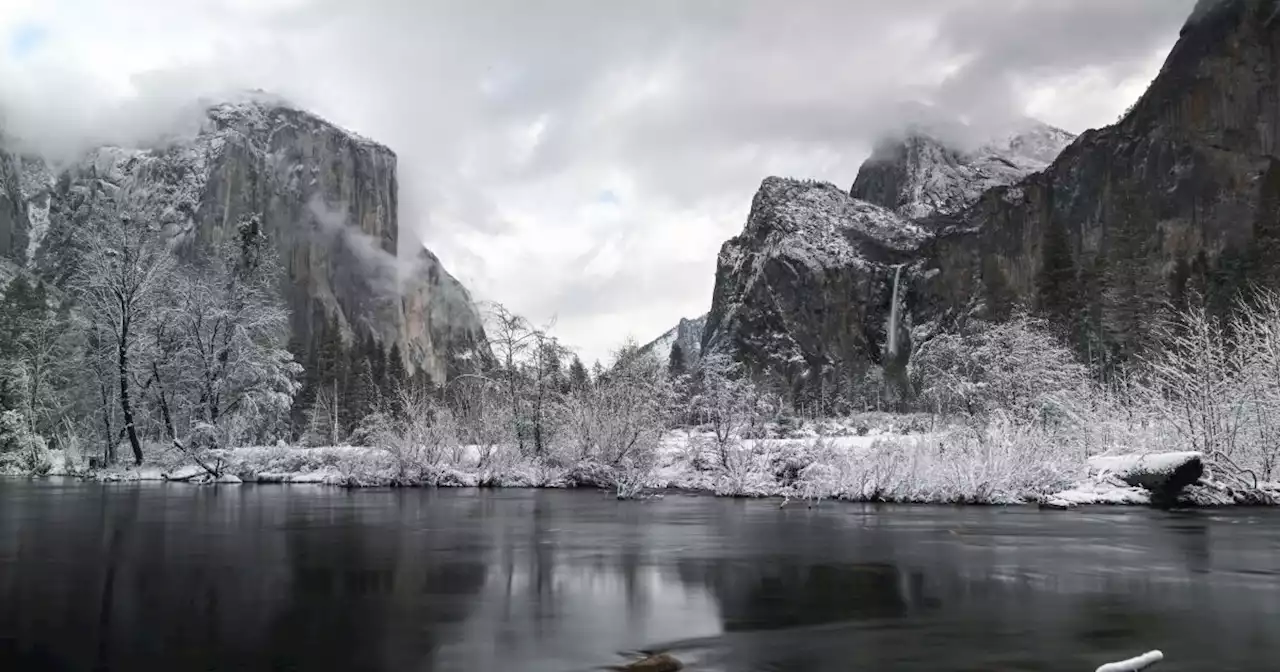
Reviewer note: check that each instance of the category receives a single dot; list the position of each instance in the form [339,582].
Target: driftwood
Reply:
[215,471]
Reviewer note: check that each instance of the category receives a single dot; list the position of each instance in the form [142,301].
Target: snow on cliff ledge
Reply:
[924,172]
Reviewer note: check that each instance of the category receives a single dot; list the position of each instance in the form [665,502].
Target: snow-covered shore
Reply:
[837,463]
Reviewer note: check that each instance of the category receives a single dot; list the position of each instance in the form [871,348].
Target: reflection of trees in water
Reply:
[156,578]
[787,592]
[369,594]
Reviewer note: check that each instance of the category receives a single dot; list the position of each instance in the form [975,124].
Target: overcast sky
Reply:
[585,159]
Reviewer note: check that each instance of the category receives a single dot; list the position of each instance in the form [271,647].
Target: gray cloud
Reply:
[510,116]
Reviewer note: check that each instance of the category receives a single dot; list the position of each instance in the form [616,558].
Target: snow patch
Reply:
[1122,466]
[941,176]
[1133,664]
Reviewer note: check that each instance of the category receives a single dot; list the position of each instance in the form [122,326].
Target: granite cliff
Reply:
[1180,198]
[327,197]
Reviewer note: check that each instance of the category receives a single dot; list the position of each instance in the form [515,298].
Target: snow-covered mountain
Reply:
[326,196]
[804,292]
[924,171]
[688,333]
[1181,197]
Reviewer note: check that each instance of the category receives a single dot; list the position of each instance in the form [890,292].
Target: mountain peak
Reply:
[933,167]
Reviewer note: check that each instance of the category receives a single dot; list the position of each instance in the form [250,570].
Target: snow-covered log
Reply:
[1164,474]
[1134,664]
[657,663]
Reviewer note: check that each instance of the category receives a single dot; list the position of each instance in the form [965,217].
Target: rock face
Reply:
[803,294]
[1181,196]
[688,334]
[326,196]
[920,174]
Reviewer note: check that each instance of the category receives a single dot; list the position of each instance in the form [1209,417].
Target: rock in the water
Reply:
[1163,474]
[661,662]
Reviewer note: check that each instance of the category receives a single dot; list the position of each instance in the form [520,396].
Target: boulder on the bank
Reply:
[1163,474]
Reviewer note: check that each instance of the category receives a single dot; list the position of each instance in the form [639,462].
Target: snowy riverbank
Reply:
[836,462]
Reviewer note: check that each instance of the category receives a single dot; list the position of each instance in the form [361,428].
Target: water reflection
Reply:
[256,578]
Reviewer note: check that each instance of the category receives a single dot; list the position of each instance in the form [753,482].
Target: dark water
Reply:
[274,577]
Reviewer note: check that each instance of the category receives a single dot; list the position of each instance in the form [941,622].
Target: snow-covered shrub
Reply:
[418,433]
[620,421]
[365,468]
[20,447]
[748,472]
[1016,367]
[1001,462]
[1216,384]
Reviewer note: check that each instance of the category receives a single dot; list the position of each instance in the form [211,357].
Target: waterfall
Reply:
[893,313]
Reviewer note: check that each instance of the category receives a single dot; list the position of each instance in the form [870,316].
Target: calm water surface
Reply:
[155,577]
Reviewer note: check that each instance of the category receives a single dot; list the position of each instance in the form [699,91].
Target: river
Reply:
[177,577]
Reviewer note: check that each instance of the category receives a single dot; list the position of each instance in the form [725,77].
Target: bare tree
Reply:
[476,404]
[1197,377]
[510,337]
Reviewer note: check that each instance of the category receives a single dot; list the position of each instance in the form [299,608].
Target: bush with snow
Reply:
[21,449]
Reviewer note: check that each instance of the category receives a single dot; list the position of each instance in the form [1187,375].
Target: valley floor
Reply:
[884,459]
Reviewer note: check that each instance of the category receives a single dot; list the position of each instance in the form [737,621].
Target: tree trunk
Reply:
[164,403]
[109,452]
[126,409]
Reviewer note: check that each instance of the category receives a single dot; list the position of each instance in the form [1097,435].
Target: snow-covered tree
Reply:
[37,355]
[1017,367]
[119,280]
[477,406]
[510,337]
[724,398]
[223,355]
[416,430]
[579,379]
[547,383]
[620,420]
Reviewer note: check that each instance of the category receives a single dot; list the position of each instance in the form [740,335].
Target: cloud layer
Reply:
[577,158]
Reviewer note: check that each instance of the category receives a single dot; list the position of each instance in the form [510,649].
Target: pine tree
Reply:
[307,392]
[579,380]
[1056,281]
[361,393]
[675,363]
[397,376]
[378,370]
